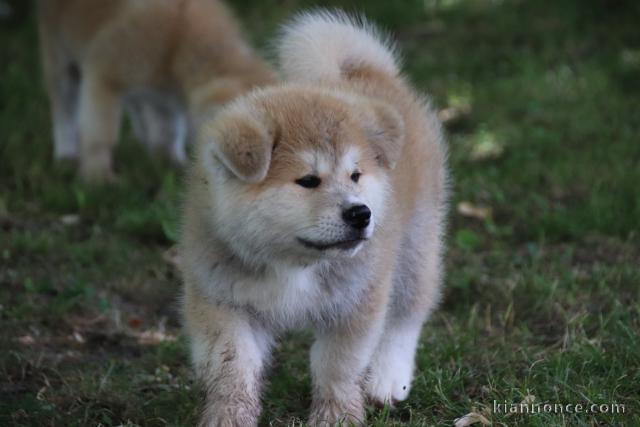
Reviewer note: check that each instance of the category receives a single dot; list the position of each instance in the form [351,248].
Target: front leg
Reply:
[339,358]
[100,115]
[229,353]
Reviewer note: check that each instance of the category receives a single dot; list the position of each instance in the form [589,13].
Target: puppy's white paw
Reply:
[389,378]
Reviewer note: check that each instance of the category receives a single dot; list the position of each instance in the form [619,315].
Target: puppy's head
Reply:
[299,175]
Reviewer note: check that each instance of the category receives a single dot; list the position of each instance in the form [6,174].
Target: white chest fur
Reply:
[285,295]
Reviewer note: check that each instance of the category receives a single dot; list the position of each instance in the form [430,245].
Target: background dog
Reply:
[320,204]
[160,58]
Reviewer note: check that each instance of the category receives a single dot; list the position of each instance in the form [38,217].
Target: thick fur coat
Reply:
[318,203]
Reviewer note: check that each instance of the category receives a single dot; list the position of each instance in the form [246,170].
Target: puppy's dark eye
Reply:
[355,177]
[309,181]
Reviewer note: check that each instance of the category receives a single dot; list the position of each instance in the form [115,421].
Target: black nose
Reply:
[357,216]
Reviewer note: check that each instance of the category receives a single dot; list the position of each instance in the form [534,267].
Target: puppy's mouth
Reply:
[323,246]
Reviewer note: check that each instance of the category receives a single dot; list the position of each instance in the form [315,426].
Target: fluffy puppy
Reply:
[164,60]
[315,204]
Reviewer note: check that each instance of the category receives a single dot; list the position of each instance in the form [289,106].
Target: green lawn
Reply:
[542,109]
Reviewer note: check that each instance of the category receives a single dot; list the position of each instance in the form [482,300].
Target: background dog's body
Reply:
[164,59]
[261,255]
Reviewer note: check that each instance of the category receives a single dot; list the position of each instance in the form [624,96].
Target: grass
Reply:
[540,103]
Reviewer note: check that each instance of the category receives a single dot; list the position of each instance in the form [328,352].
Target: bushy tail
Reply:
[323,45]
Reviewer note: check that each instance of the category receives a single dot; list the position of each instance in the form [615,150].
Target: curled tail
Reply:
[324,45]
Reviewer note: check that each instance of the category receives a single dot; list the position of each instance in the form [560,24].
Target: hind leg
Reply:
[160,128]
[64,101]
[416,293]
[137,112]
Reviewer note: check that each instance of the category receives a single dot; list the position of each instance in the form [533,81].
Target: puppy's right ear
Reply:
[242,140]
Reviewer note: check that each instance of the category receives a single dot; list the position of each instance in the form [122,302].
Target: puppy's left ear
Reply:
[385,129]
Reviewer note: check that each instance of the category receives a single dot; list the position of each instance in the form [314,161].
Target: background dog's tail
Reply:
[323,46]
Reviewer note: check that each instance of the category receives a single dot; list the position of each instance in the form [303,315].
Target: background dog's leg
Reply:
[100,113]
[338,361]
[62,78]
[136,111]
[177,148]
[160,128]
[229,354]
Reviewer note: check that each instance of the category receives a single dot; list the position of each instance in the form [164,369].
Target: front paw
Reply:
[389,379]
[330,412]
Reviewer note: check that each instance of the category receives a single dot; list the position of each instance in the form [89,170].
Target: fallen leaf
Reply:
[486,147]
[26,340]
[152,337]
[70,219]
[78,337]
[40,394]
[474,211]
[470,419]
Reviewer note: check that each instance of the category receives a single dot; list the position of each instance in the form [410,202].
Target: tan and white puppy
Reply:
[318,203]
[163,60]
